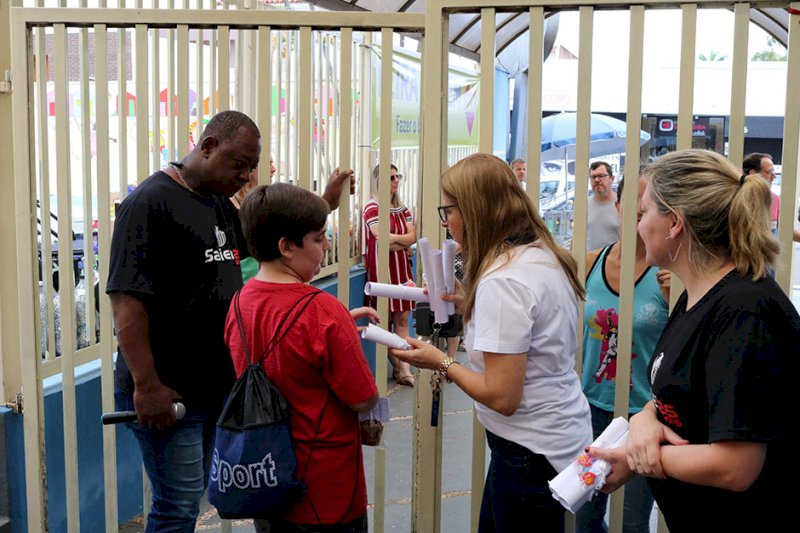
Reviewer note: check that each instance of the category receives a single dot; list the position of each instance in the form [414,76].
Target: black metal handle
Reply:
[119,417]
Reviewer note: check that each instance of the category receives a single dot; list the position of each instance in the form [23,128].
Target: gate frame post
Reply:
[10,373]
[21,222]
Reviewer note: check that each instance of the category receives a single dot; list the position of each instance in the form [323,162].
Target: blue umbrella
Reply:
[606,136]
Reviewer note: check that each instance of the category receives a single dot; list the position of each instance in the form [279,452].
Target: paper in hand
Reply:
[585,476]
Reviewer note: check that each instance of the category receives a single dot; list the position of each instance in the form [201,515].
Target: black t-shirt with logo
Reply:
[721,372]
[179,253]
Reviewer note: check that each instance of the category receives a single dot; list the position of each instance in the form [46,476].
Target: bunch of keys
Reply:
[436,381]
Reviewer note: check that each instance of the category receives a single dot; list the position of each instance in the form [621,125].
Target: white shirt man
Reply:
[603,223]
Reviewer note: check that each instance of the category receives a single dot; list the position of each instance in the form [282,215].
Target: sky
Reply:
[662,34]
[766,80]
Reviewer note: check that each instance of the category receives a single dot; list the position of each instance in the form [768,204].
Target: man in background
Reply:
[602,226]
[520,169]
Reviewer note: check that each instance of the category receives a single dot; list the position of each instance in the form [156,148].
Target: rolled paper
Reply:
[449,267]
[586,475]
[399,292]
[378,335]
[439,306]
[424,248]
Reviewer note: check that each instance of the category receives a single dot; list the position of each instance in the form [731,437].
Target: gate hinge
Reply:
[16,405]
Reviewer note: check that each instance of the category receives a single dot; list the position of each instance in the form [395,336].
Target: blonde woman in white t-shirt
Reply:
[520,305]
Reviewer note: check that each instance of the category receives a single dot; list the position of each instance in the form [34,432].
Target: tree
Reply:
[713,55]
[771,54]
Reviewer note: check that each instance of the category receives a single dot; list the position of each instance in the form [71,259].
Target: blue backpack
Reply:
[253,466]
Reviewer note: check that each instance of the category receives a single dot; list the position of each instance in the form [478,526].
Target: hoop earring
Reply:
[677,252]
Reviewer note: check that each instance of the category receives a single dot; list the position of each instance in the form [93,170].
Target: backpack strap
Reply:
[273,342]
[240,323]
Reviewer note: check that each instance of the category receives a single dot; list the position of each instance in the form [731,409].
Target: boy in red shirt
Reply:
[318,365]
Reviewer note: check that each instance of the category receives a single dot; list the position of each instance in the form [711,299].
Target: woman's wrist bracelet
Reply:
[445,366]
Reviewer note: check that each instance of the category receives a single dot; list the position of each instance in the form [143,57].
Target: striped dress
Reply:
[399,261]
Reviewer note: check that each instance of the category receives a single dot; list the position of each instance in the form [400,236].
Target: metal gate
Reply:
[184,65]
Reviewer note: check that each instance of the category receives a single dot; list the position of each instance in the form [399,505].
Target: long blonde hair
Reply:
[395,199]
[496,211]
[726,213]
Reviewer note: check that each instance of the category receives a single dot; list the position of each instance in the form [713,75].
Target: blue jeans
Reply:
[638,502]
[177,462]
[516,491]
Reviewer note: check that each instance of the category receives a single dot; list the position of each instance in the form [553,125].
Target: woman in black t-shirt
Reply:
[712,439]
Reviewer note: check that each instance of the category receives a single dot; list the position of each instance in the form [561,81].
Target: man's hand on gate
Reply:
[336,183]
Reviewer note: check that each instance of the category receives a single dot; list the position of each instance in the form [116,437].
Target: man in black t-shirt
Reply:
[174,268]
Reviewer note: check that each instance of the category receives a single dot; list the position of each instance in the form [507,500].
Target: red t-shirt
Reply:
[320,354]
[775,210]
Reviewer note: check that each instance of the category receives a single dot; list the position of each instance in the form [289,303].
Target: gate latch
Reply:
[16,405]
[5,83]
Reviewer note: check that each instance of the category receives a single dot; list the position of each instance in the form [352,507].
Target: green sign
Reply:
[462,102]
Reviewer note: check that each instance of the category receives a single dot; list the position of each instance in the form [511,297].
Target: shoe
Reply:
[403,379]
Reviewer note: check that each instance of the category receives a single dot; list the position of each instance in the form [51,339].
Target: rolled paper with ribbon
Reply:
[586,475]
[399,292]
[378,335]
[449,268]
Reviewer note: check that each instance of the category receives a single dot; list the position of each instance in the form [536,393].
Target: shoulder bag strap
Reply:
[279,335]
[240,323]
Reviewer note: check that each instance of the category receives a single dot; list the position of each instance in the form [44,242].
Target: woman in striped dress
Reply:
[401,236]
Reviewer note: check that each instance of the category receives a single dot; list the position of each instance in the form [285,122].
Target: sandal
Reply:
[403,379]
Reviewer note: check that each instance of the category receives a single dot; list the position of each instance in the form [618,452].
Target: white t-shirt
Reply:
[528,306]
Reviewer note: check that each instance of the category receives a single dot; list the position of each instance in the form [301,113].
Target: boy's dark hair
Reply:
[272,212]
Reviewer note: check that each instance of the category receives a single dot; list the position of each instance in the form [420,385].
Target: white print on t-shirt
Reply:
[655,367]
[243,476]
[221,238]
[649,314]
[219,255]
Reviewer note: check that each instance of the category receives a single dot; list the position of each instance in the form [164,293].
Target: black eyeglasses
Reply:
[599,177]
[398,177]
[443,211]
